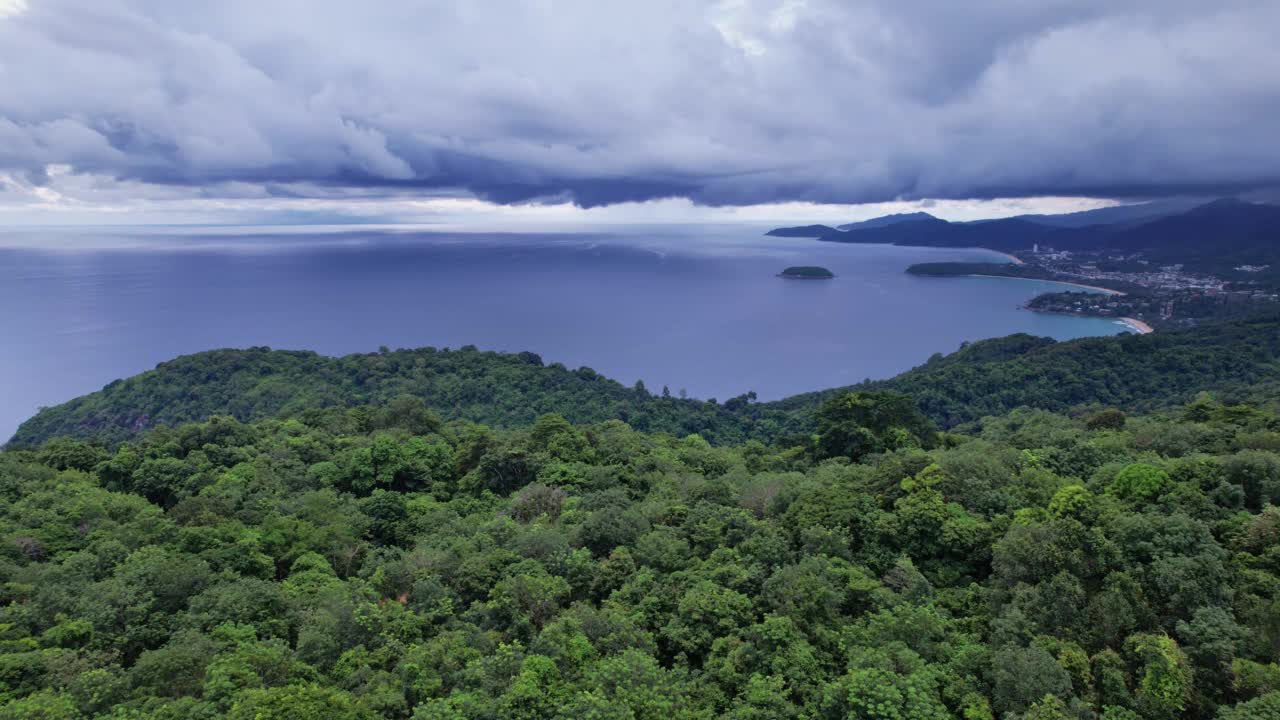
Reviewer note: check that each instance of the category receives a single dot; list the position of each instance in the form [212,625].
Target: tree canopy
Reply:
[379,561]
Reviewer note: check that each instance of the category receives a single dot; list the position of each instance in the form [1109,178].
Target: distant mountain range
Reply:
[929,231]
[1127,214]
[1214,236]
[1135,213]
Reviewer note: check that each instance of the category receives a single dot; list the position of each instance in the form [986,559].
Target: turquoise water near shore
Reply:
[698,309]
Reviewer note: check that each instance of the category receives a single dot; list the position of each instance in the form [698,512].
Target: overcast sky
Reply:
[409,110]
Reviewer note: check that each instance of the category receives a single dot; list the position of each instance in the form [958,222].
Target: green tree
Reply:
[296,702]
[1162,674]
[1024,676]
[860,423]
[877,694]
[1140,481]
[705,612]
[1261,708]
[42,706]
[1109,419]
[1049,708]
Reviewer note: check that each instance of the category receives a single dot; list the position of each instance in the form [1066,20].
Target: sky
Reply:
[168,111]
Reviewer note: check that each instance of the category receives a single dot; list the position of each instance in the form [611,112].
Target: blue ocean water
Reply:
[693,308]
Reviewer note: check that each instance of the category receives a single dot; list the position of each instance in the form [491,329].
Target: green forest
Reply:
[381,560]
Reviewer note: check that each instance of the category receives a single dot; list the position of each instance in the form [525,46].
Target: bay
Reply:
[697,309]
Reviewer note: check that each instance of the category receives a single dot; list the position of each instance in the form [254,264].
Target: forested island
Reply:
[807,272]
[457,534]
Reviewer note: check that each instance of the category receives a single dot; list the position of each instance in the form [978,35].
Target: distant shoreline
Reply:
[1137,325]
[1104,291]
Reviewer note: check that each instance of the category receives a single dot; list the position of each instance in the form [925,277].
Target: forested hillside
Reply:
[500,389]
[1238,360]
[375,562]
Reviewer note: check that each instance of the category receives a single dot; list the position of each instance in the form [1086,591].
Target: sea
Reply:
[697,309]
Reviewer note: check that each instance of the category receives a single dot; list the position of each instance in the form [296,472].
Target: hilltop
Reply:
[886,220]
[500,389]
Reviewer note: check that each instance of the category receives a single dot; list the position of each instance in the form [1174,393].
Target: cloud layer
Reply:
[733,103]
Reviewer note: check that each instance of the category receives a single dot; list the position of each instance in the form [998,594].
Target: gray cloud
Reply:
[735,103]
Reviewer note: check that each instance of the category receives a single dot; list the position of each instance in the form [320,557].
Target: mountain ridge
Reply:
[1114,215]
[886,220]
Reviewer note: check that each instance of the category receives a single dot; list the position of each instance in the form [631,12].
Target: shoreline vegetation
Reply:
[1022,272]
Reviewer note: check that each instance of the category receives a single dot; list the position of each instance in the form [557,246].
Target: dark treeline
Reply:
[378,562]
[1013,270]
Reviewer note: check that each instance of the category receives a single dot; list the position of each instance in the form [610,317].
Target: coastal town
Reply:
[1135,289]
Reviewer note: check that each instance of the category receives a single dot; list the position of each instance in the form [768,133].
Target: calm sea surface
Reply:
[693,308]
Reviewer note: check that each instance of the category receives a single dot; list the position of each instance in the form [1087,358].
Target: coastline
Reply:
[1137,325]
[1095,288]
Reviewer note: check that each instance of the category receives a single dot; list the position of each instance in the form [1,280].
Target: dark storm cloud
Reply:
[725,103]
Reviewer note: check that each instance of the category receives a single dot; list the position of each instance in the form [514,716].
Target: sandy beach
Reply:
[1012,258]
[1137,325]
[1095,288]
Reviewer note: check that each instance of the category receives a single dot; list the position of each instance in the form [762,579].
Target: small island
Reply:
[807,272]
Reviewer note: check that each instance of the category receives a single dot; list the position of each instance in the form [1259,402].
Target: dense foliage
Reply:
[376,562]
[1237,360]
